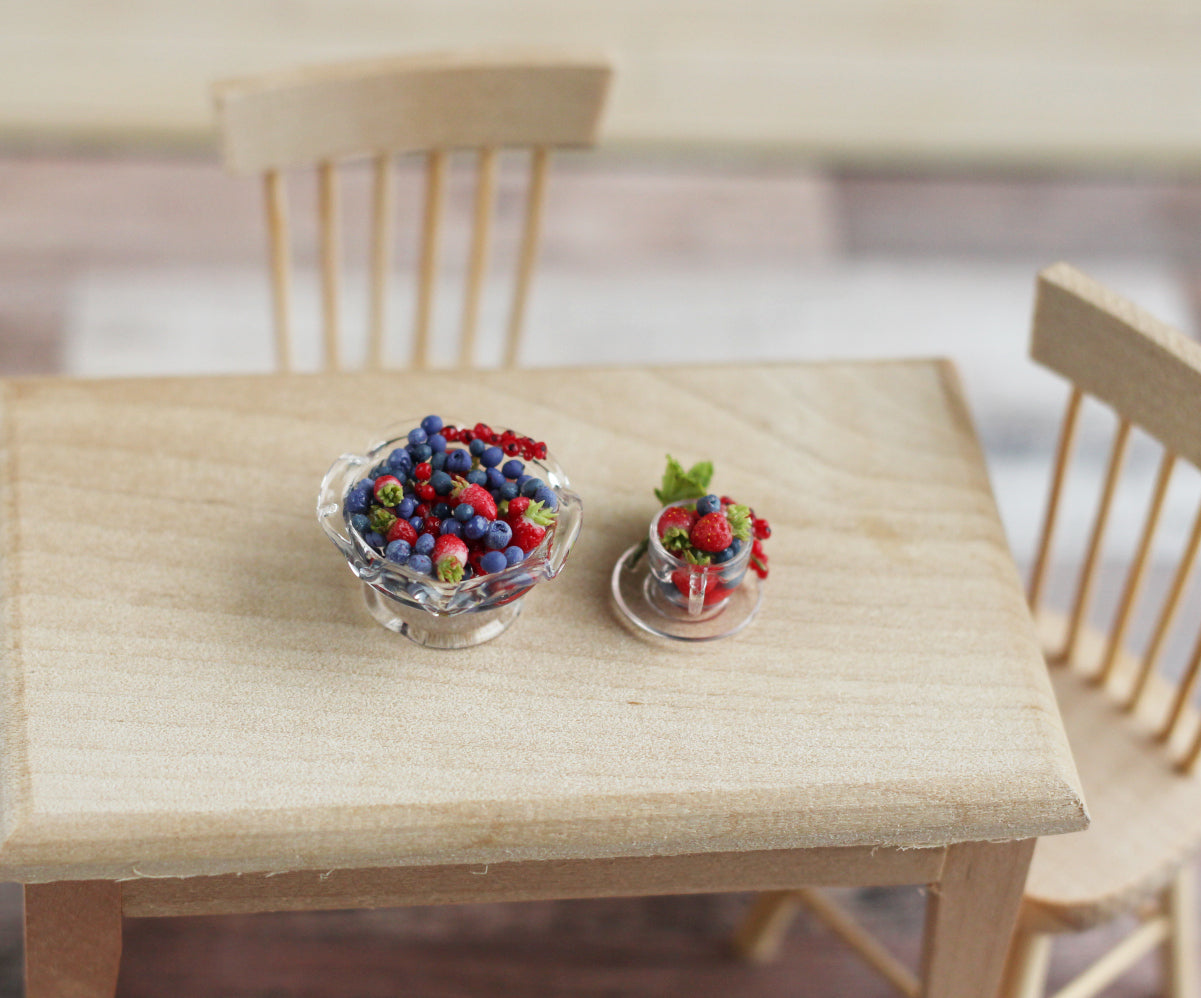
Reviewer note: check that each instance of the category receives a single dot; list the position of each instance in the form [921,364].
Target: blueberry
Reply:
[425,544]
[376,540]
[417,435]
[431,424]
[358,499]
[475,528]
[719,557]
[513,469]
[493,561]
[400,462]
[707,504]
[360,522]
[416,522]
[437,443]
[420,563]
[477,447]
[477,476]
[499,535]
[514,554]
[451,526]
[406,507]
[442,483]
[458,462]
[442,510]
[508,490]
[397,551]
[464,512]
[521,480]
[437,461]
[493,478]
[419,452]
[530,486]
[546,495]
[379,469]
[491,457]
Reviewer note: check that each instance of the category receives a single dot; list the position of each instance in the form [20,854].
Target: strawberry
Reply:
[449,556]
[529,520]
[477,497]
[401,530]
[714,590]
[711,533]
[675,524]
[388,490]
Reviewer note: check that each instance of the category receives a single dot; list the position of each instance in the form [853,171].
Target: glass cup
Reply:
[676,586]
[424,609]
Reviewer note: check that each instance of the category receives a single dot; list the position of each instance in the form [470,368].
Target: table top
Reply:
[192,684]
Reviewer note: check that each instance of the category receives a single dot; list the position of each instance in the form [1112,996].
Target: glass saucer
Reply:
[634,596]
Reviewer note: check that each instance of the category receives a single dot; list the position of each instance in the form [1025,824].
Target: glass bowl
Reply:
[424,609]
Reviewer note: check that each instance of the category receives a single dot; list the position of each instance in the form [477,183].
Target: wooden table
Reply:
[199,715]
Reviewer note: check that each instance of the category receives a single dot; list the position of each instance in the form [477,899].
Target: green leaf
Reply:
[679,484]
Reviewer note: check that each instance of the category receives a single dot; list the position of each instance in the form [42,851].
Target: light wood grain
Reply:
[638,877]
[971,916]
[72,939]
[409,104]
[1117,352]
[252,717]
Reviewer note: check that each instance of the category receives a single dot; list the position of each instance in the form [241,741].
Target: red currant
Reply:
[423,471]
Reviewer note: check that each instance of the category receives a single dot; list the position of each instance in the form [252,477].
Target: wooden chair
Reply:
[431,105]
[1134,734]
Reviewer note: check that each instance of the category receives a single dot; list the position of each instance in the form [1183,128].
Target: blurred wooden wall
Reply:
[1077,82]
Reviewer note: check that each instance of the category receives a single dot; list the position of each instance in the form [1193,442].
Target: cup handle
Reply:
[696,592]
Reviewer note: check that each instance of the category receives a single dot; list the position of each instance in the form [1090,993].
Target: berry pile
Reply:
[713,531]
[454,512]
[709,533]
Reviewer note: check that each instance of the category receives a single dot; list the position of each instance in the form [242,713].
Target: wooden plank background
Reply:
[1077,81]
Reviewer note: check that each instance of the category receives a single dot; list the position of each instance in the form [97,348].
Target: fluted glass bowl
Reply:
[428,611]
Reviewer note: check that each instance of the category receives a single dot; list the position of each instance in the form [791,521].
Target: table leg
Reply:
[72,939]
[971,916]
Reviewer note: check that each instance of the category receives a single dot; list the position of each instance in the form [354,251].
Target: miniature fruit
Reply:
[434,505]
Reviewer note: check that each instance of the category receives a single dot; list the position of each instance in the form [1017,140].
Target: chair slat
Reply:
[1088,571]
[530,239]
[1063,456]
[1138,568]
[431,237]
[1167,616]
[381,257]
[1184,692]
[477,265]
[331,255]
[276,202]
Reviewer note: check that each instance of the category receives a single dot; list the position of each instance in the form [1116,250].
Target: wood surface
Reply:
[72,939]
[638,877]
[472,99]
[209,695]
[971,915]
[1117,352]
[1081,81]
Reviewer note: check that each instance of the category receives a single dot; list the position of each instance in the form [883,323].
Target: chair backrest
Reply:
[1150,375]
[433,104]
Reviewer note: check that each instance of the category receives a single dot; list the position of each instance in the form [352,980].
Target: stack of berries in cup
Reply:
[454,503]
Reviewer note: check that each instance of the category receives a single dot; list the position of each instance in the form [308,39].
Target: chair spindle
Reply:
[1138,569]
[1184,691]
[1063,456]
[530,238]
[1167,615]
[383,199]
[331,253]
[1088,571]
[477,266]
[431,233]
[276,201]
